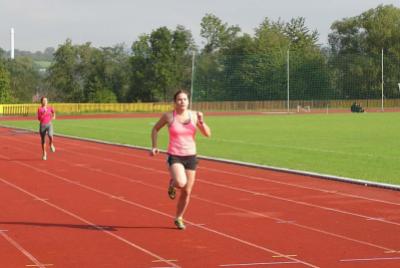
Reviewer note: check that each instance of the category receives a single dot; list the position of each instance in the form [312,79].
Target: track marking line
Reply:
[298,225]
[375,219]
[35,265]
[392,251]
[259,214]
[245,210]
[334,192]
[40,199]
[243,190]
[87,222]
[22,250]
[80,140]
[140,206]
[162,261]
[285,222]
[370,259]
[295,202]
[117,197]
[284,256]
[73,140]
[256,263]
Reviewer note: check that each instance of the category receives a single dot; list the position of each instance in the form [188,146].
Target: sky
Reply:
[48,23]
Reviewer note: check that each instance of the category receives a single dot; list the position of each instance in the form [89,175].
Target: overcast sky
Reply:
[48,23]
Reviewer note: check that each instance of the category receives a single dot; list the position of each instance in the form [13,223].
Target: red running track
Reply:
[96,205]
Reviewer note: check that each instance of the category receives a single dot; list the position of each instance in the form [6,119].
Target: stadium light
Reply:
[12,43]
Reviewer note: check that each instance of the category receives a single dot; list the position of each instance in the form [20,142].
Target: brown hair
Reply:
[43,97]
[179,92]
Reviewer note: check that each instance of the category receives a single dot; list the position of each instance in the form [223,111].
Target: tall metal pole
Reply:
[191,82]
[382,82]
[12,43]
[288,80]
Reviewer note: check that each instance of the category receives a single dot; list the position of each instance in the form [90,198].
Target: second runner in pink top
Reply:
[182,137]
[45,115]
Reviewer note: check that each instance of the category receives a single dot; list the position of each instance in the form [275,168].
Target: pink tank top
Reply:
[182,137]
[45,116]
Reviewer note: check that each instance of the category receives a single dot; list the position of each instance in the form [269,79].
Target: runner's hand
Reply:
[200,118]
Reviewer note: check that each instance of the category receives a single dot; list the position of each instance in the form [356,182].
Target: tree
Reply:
[63,74]
[370,32]
[217,34]
[141,71]
[299,35]
[82,73]
[25,79]
[5,88]
[356,45]
[160,64]
[116,71]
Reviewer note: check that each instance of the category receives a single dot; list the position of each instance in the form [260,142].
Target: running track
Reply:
[96,205]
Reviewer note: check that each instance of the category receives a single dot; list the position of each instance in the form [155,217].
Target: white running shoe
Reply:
[52,148]
[44,157]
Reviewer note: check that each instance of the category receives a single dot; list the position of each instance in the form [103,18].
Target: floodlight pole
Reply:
[191,82]
[12,43]
[288,80]
[382,83]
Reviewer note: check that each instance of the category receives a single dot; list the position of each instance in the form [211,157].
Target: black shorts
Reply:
[189,162]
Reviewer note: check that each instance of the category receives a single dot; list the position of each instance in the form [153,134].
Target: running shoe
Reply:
[52,148]
[171,190]
[44,157]
[180,224]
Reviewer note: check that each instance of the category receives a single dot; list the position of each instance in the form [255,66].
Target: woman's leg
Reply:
[44,149]
[50,133]
[186,191]
[42,133]
[52,148]
[178,175]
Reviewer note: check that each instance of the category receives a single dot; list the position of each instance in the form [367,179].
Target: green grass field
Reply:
[361,146]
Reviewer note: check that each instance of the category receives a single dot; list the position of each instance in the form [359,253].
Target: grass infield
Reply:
[360,146]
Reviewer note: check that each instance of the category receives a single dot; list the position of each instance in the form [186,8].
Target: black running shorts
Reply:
[189,162]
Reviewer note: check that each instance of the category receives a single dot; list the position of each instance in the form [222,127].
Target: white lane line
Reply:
[256,263]
[22,250]
[263,215]
[375,219]
[244,190]
[143,207]
[370,259]
[89,223]
[333,192]
[80,141]
[251,212]
[74,140]
[283,256]
[161,261]
[73,143]
[297,202]
[34,265]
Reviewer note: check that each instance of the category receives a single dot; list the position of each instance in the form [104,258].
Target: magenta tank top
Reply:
[182,137]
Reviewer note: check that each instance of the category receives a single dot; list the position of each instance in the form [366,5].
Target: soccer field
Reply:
[360,146]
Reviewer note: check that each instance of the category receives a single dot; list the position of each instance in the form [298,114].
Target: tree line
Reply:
[231,65]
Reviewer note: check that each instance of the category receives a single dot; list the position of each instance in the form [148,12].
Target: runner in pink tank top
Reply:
[182,137]
[182,126]
[45,115]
